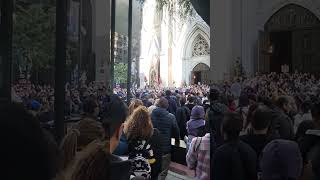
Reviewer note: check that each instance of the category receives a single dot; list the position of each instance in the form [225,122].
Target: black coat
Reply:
[118,169]
[234,160]
[310,149]
[172,105]
[167,125]
[281,125]
[182,117]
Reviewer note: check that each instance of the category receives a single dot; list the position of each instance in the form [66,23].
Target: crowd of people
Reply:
[265,127]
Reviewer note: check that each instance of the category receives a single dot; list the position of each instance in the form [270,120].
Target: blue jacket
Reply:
[167,125]
[172,105]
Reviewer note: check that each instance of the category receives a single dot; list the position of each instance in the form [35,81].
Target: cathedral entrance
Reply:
[290,42]
[200,74]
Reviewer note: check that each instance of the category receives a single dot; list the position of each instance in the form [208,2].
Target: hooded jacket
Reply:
[167,125]
[215,116]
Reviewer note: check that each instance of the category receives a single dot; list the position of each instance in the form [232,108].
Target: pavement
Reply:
[179,172]
[175,176]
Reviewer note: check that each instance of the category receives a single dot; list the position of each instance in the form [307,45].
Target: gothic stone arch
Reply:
[196,50]
[302,30]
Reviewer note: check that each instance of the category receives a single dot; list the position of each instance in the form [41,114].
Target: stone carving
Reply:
[200,47]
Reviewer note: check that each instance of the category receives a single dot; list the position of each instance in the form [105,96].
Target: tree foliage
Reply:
[184,6]
[34,34]
[120,73]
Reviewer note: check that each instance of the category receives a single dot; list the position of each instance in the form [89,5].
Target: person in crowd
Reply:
[215,115]
[89,131]
[196,124]
[259,138]
[304,115]
[96,161]
[198,156]
[122,148]
[247,128]
[166,123]
[281,159]
[144,144]
[234,159]
[182,113]
[281,124]
[27,151]
[190,103]
[172,108]
[310,146]
[243,106]
[303,127]
[35,107]
[91,108]
[134,104]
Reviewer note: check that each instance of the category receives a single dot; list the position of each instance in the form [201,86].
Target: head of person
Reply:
[243,100]
[114,115]
[214,94]
[283,102]
[168,93]
[134,104]
[25,149]
[197,112]
[91,107]
[281,159]
[139,125]
[162,103]
[261,119]
[315,112]
[231,126]
[191,99]
[89,130]
[182,101]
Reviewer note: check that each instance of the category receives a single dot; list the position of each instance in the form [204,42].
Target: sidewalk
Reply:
[175,176]
[179,172]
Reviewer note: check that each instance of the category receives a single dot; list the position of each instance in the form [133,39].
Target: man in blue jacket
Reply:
[172,103]
[166,123]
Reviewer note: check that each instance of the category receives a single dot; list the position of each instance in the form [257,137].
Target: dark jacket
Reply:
[166,123]
[156,147]
[281,125]
[172,105]
[310,150]
[215,116]
[182,114]
[118,169]
[234,160]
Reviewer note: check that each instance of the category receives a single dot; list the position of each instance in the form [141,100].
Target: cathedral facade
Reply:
[264,36]
[175,50]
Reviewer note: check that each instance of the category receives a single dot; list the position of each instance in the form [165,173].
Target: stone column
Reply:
[221,39]
[101,39]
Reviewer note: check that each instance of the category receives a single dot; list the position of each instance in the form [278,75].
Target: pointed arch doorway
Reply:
[289,42]
[200,74]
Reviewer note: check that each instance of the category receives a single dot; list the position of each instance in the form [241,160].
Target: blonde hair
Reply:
[139,125]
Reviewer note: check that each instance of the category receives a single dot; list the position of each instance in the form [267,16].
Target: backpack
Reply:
[141,156]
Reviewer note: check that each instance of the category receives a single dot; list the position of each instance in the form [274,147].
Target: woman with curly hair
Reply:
[143,144]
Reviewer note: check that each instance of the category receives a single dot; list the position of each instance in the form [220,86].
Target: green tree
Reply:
[120,73]
[34,34]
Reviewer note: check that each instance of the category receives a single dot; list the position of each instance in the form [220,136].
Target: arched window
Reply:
[200,47]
